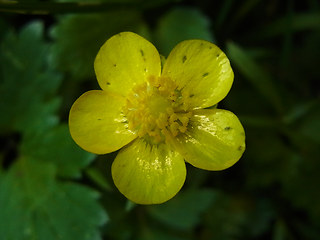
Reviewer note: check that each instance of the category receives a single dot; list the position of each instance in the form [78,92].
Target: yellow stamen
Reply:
[155,110]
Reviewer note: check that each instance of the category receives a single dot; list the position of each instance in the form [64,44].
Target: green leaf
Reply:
[184,211]
[181,24]
[243,10]
[39,118]
[27,83]
[3,28]
[39,207]
[255,74]
[155,233]
[311,124]
[268,158]
[300,179]
[79,37]
[98,178]
[238,217]
[260,121]
[298,22]
[223,12]
[56,146]
[301,110]
[280,231]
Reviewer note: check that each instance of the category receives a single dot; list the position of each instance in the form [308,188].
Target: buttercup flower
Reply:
[160,117]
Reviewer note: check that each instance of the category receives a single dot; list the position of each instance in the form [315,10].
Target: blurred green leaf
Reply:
[311,125]
[301,180]
[130,205]
[280,231]
[243,10]
[196,177]
[300,110]
[237,217]
[81,6]
[301,183]
[308,231]
[56,146]
[181,24]
[155,233]
[141,2]
[27,83]
[260,53]
[40,118]
[298,22]
[97,177]
[38,207]
[257,76]
[240,99]
[267,159]
[3,28]
[223,12]
[183,211]
[79,37]
[259,121]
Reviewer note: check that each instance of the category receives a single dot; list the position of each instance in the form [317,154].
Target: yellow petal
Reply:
[96,123]
[126,59]
[201,70]
[148,174]
[215,140]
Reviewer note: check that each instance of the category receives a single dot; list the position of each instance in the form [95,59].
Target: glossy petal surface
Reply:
[126,59]
[148,174]
[215,140]
[201,70]
[96,123]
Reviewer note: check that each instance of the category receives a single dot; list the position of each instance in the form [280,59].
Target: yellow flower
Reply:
[158,116]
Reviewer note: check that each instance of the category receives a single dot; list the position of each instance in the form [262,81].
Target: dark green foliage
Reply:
[28,84]
[77,39]
[56,146]
[49,186]
[33,199]
[174,214]
[43,208]
[181,24]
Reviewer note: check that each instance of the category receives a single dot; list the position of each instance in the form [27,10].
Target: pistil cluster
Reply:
[156,111]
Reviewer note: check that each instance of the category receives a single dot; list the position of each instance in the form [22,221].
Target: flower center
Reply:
[155,110]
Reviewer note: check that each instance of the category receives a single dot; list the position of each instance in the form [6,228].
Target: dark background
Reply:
[51,189]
